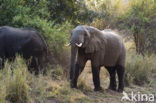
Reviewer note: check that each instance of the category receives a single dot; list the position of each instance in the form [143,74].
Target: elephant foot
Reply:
[98,89]
[112,88]
[121,87]
[73,85]
[120,90]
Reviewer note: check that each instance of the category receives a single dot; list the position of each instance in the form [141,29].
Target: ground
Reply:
[85,93]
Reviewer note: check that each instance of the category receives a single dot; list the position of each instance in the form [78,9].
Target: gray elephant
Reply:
[26,42]
[103,48]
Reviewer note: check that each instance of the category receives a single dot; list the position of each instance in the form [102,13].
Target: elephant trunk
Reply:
[72,62]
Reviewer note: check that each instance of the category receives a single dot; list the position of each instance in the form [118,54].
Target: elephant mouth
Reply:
[77,44]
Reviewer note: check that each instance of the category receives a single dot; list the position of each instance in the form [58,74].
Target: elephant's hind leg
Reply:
[112,72]
[2,59]
[96,78]
[121,73]
[33,66]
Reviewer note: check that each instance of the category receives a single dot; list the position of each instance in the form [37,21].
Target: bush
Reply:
[36,15]
[139,18]
[139,68]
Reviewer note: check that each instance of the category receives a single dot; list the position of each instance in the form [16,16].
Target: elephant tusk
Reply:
[68,44]
[79,45]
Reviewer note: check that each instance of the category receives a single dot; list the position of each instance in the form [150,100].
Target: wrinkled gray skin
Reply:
[103,48]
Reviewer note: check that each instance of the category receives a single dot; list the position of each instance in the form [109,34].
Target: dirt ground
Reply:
[107,96]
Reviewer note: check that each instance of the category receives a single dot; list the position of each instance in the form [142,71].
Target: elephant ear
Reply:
[95,40]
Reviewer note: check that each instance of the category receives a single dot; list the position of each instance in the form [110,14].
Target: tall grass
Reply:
[14,82]
[139,69]
[17,85]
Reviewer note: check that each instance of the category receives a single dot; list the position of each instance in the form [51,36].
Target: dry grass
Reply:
[19,86]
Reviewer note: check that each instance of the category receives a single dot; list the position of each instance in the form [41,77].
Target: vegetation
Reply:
[138,16]
[140,19]
[55,19]
[139,69]
[20,86]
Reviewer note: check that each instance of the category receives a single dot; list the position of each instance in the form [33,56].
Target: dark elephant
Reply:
[103,48]
[26,42]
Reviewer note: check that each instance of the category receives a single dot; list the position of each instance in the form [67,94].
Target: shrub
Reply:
[36,15]
[100,23]
[56,36]
[138,68]
[139,18]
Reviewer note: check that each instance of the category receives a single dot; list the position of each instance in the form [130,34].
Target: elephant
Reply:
[24,41]
[102,48]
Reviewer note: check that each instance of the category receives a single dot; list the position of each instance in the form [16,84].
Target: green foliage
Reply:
[139,17]
[11,9]
[35,14]
[139,13]
[59,37]
[70,10]
[62,11]
[61,34]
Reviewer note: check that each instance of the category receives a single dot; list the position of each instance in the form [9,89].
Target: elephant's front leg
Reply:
[79,66]
[96,77]
[76,75]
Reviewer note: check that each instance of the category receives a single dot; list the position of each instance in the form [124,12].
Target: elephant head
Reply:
[86,37]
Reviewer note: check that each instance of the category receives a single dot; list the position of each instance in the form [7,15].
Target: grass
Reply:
[139,68]
[20,86]
[17,85]
[14,83]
